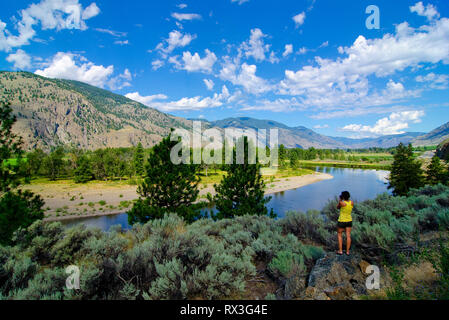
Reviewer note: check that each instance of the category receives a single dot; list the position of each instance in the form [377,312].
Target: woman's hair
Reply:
[345,195]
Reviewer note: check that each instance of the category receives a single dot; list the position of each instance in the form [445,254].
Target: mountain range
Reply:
[52,112]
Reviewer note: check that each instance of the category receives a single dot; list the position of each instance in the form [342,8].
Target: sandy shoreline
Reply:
[78,198]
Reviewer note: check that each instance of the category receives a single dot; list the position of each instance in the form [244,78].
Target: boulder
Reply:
[336,277]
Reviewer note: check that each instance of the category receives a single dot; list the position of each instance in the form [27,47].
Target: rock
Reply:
[337,278]
[363,265]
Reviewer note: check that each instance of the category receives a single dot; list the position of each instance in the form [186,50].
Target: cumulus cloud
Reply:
[194,63]
[20,59]
[394,124]
[343,82]
[75,67]
[50,14]
[429,11]
[299,19]
[288,50]
[146,100]
[195,103]
[186,16]
[175,40]
[182,6]
[255,46]
[245,76]
[209,84]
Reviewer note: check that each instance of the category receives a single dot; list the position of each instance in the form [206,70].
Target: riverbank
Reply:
[65,201]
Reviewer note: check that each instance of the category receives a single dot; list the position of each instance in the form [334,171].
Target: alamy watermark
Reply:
[73,280]
[373,20]
[213,146]
[373,280]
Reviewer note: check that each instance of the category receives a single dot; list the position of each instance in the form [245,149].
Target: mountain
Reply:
[380,142]
[434,137]
[51,112]
[301,137]
[291,137]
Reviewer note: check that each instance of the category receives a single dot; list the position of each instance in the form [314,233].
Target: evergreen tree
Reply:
[167,188]
[241,192]
[17,209]
[406,172]
[139,160]
[83,172]
[10,146]
[435,172]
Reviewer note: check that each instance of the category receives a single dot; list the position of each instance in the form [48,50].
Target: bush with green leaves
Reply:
[163,259]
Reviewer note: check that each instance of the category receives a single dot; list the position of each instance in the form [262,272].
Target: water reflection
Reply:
[362,184]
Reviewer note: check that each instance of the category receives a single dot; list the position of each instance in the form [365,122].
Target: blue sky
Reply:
[310,63]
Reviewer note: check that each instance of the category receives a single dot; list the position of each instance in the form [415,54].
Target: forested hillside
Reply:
[61,112]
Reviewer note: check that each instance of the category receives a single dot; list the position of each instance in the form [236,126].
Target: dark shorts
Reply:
[344,225]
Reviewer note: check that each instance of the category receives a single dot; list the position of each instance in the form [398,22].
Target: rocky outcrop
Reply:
[337,277]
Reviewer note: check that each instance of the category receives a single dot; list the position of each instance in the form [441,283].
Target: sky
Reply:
[341,68]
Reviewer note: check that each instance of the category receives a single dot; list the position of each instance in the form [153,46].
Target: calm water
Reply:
[362,184]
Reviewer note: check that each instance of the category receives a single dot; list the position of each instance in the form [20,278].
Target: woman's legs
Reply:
[340,240]
[348,240]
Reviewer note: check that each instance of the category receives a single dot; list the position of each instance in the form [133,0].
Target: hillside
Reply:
[380,142]
[301,137]
[53,112]
[434,137]
[298,137]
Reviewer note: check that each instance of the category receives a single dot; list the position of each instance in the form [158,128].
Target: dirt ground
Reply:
[67,200]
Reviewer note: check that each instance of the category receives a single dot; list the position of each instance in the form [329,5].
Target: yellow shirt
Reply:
[345,212]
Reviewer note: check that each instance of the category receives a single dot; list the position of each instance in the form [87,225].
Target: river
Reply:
[362,184]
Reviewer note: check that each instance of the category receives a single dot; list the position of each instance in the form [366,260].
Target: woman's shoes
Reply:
[348,254]
[339,253]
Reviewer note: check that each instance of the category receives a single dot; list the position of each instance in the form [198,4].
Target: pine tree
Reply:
[435,172]
[406,172]
[83,172]
[139,160]
[241,192]
[18,209]
[167,188]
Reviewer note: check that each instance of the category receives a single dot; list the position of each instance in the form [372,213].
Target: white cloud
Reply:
[75,67]
[186,16]
[239,1]
[122,43]
[182,6]
[394,124]
[145,100]
[299,19]
[113,33]
[184,104]
[20,59]
[435,81]
[302,50]
[255,46]
[194,63]
[319,126]
[91,11]
[288,50]
[343,82]
[157,64]
[175,40]
[430,12]
[50,14]
[245,76]
[209,84]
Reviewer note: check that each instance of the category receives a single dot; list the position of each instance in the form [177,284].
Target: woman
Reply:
[345,221]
